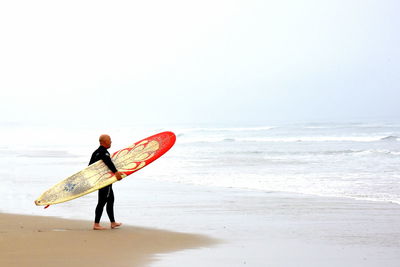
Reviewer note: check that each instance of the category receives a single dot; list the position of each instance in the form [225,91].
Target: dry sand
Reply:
[47,241]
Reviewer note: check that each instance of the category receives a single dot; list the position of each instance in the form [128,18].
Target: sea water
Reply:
[355,160]
[347,160]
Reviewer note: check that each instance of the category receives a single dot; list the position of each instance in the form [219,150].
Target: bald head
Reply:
[105,140]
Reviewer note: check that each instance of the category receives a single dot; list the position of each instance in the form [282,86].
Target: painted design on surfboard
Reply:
[134,157]
[98,175]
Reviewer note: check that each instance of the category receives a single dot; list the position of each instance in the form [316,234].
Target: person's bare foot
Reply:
[115,225]
[97,226]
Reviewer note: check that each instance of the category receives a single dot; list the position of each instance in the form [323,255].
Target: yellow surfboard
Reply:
[98,175]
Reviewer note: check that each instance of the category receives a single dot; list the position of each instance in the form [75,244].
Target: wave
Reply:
[215,139]
[336,152]
[225,129]
[377,152]
[390,138]
[46,154]
[370,152]
[350,126]
[333,153]
[314,139]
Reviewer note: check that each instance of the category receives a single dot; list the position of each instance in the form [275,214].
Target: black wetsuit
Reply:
[106,194]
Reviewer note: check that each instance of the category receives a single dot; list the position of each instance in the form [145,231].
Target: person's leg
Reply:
[110,210]
[102,200]
[110,205]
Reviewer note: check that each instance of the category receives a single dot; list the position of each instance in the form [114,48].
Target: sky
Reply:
[218,62]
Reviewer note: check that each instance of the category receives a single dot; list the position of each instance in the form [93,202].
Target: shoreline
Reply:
[234,227]
[270,228]
[47,241]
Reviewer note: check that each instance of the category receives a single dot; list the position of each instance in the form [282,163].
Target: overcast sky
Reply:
[188,61]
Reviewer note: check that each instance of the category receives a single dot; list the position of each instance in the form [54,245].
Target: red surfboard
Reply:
[98,175]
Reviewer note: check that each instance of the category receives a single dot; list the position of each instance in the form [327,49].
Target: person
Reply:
[106,194]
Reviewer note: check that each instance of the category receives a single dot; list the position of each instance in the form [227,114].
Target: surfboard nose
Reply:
[171,136]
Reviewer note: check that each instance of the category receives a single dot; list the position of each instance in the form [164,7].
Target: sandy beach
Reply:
[231,228]
[47,241]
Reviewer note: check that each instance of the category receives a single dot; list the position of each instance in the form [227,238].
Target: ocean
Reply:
[352,160]
[356,160]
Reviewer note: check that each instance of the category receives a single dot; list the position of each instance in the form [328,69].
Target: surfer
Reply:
[106,194]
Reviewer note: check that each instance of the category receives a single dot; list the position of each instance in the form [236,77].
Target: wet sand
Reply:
[47,241]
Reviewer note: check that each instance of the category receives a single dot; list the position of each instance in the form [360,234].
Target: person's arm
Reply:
[107,160]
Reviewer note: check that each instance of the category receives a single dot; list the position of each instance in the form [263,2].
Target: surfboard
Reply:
[98,175]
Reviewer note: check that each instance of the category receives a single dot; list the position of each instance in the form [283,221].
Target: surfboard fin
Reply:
[47,206]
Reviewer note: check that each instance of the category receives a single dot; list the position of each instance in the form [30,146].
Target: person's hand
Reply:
[118,176]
